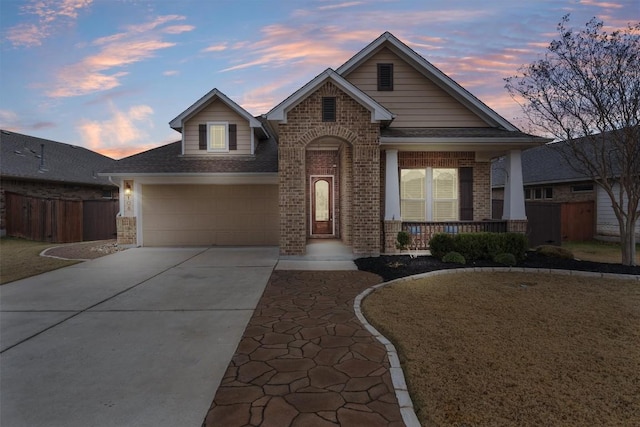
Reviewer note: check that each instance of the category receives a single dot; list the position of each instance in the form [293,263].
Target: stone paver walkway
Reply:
[305,359]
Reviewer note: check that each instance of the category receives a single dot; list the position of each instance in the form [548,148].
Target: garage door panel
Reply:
[210,215]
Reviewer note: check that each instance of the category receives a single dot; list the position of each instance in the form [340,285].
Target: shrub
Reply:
[505,259]
[475,246]
[454,257]
[514,243]
[441,244]
[554,251]
[470,245]
[403,240]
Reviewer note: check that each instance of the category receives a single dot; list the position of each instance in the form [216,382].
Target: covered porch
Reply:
[413,189]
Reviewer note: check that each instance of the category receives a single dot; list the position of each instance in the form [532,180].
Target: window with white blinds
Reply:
[429,194]
[413,194]
[445,194]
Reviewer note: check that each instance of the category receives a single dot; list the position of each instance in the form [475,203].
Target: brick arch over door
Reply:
[362,191]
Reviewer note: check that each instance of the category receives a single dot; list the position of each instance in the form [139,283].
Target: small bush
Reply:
[403,240]
[454,257]
[505,259]
[514,243]
[441,244]
[554,251]
[476,246]
[470,245]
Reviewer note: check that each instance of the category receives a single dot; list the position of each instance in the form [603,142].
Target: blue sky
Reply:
[110,74]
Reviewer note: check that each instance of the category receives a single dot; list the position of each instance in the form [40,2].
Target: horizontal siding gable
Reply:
[217,111]
[415,100]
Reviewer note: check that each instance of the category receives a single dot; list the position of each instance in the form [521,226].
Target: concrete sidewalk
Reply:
[142,337]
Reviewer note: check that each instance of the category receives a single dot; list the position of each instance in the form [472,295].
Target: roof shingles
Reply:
[22,158]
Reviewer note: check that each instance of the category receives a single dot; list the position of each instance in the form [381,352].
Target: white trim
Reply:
[137,212]
[431,72]
[378,112]
[212,178]
[200,104]
[428,192]
[392,187]
[333,204]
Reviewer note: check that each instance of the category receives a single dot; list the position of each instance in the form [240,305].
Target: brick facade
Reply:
[50,190]
[359,171]
[126,230]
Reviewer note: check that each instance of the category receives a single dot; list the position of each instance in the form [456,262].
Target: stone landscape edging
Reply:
[397,374]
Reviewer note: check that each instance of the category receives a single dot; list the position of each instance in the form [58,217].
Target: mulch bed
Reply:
[391,267]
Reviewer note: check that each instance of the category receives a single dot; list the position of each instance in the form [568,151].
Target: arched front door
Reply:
[322,205]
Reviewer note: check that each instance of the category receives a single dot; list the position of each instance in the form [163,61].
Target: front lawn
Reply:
[21,258]
[598,251]
[515,348]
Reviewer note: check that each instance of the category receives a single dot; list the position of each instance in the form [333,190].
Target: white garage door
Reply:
[182,215]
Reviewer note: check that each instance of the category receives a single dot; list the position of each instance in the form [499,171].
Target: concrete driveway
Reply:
[138,338]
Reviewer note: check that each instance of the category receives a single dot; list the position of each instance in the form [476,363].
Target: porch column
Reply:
[392,220]
[392,188]
[513,210]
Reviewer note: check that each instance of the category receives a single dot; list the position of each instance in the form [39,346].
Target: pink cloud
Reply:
[177,29]
[10,120]
[119,133]
[50,15]
[96,72]
[282,45]
[340,5]
[603,4]
[215,48]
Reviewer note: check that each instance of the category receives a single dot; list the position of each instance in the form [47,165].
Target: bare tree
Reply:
[585,90]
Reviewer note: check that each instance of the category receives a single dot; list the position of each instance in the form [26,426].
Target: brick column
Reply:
[517,226]
[126,230]
[292,200]
[366,199]
[391,229]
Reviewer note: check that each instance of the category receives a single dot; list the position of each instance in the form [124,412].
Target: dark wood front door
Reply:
[322,205]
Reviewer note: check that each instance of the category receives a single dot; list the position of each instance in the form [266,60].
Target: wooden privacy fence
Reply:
[553,223]
[60,221]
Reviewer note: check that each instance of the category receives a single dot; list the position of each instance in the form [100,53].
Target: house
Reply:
[548,177]
[384,142]
[40,168]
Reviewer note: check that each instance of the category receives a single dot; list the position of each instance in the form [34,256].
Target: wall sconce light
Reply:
[127,189]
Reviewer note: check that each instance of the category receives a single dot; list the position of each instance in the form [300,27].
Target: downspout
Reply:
[119,204]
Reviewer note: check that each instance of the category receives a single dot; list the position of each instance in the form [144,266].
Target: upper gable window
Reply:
[385,76]
[218,137]
[328,109]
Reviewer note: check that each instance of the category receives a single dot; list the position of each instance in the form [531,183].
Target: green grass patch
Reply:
[21,258]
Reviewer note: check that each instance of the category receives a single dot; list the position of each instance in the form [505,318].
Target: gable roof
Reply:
[431,72]
[207,99]
[545,164]
[168,160]
[21,157]
[378,112]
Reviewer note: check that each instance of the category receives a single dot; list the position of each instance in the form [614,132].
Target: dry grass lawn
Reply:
[516,349]
[598,251]
[21,258]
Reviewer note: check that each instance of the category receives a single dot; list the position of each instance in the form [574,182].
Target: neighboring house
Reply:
[384,142]
[37,167]
[548,177]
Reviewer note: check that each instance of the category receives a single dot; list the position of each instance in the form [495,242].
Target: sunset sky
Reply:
[110,74]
